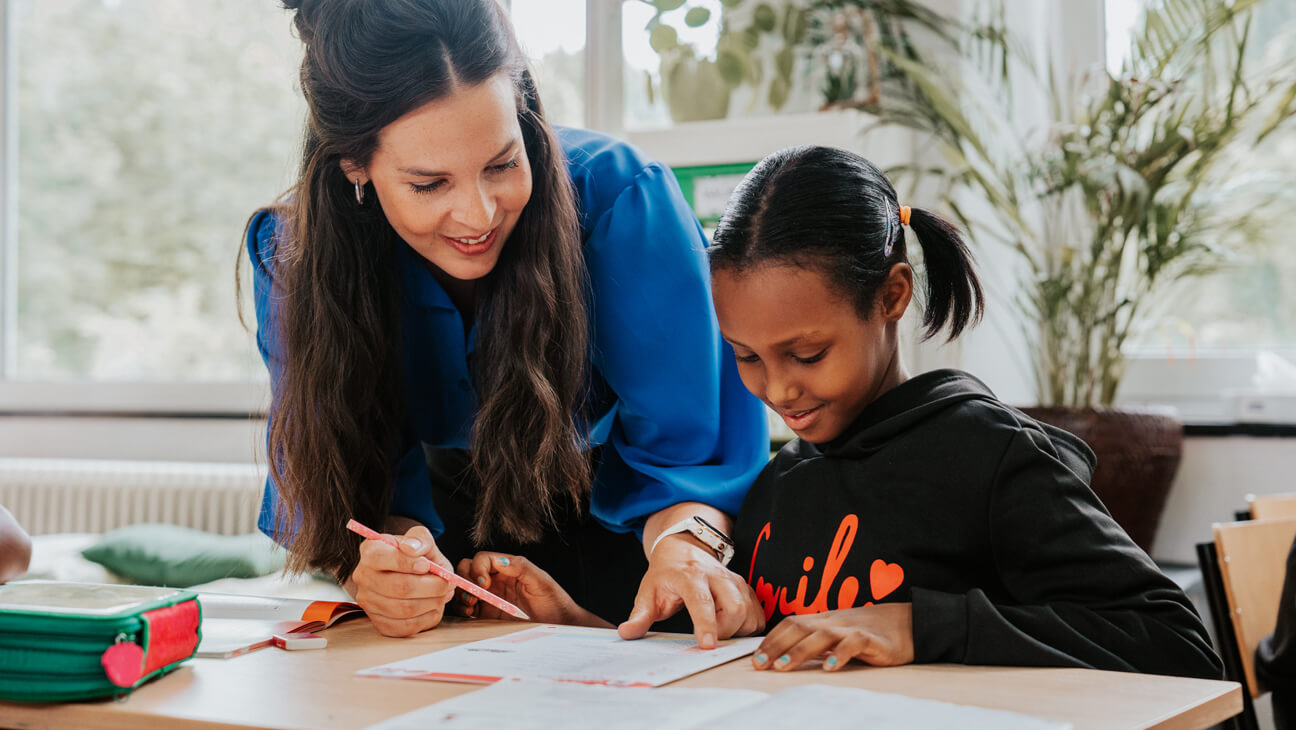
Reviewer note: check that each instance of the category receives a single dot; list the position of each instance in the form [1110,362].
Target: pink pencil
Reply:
[455,579]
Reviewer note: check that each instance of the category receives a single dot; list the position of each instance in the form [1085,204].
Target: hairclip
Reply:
[886,248]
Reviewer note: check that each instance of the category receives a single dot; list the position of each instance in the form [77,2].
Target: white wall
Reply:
[132,437]
[1215,477]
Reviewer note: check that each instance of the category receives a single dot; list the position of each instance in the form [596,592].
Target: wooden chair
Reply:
[1243,571]
[1272,506]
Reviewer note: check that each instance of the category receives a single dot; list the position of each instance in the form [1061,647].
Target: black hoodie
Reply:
[941,495]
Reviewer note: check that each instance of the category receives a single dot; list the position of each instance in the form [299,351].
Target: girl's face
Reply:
[453,177]
[802,347]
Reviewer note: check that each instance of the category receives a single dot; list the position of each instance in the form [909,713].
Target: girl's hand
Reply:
[682,572]
[394,587]
[881,635]
[522,583]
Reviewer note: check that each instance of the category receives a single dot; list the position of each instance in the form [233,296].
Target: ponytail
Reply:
[954,294]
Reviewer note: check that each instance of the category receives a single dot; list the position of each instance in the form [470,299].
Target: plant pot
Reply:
[1138,453]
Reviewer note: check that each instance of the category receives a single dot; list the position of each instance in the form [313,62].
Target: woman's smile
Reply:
[474,246]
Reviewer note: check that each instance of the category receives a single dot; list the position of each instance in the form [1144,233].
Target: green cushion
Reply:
[170,555]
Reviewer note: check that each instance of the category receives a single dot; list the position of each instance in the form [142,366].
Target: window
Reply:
[1251,304]
[644,102]
[146,134]
[142,133]
[552,33]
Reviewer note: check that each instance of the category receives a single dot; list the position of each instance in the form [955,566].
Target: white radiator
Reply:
[87,495]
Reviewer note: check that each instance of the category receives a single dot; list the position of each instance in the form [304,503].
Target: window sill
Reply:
[133,400]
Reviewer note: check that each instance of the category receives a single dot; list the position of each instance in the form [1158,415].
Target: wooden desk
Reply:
[317,689]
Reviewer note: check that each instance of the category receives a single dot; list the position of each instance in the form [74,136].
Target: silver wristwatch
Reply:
[709,534]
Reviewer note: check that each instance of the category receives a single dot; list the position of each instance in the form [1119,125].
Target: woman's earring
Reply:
[359,192]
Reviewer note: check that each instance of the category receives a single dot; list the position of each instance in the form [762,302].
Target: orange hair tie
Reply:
[904,215]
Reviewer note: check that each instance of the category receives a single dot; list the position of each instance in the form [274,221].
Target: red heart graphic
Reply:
[124,663]
[884,577]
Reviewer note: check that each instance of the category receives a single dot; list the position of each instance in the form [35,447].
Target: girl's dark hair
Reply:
[833,210]
[337,421]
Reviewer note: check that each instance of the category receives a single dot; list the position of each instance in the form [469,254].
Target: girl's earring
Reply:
[359,192]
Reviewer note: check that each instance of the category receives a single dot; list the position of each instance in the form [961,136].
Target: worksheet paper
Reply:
[540,705]
[572,654]
[821,705]
[534,705]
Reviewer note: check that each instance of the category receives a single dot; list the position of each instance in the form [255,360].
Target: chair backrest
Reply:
[1253,561]
[1272,506]
[1225,641]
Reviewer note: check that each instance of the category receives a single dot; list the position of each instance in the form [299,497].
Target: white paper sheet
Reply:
[821,705]
[540,705]
[569,653]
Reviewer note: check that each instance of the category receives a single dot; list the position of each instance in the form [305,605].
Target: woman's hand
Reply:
[683,572]
[522,583]
[881,635]
[394,587]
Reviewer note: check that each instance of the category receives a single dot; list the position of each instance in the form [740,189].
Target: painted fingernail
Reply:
[413,544]
[784,659]
[481,579]
[832,662]
[760,658]
[503,561]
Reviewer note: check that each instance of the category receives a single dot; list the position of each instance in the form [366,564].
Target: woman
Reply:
[483,334]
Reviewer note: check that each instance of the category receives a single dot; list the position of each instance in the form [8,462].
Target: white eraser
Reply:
[294,642]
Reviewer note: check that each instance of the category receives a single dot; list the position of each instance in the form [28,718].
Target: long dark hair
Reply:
[337,421]
[833,210]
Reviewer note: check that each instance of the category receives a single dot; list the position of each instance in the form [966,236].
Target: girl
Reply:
[483,332]
[914,519]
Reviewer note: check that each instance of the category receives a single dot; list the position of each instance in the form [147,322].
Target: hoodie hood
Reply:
[900,409]
[927,396]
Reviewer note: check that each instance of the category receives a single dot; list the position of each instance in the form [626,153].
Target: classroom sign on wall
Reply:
[707,187]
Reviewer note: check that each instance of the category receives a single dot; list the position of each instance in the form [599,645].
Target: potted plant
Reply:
[697,87]
[762,43]
[845,40]
[1134,188]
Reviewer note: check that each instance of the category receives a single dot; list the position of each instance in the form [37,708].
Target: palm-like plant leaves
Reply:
[1121,195]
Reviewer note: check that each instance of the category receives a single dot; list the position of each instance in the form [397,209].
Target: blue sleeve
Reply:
[684,428]
[411,497]
[261,244]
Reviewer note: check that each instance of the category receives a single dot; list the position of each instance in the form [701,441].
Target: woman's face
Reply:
[453,177]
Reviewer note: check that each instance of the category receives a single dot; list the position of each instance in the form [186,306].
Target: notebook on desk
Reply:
[236,624]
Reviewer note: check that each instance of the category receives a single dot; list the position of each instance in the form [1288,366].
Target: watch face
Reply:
[719,533]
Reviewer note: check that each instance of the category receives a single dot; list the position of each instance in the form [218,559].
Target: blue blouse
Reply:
[676,422]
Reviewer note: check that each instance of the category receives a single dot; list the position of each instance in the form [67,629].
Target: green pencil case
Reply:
[73,641]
